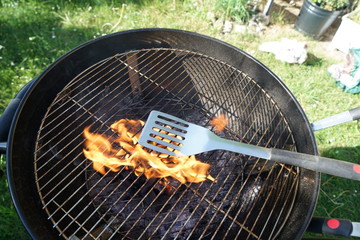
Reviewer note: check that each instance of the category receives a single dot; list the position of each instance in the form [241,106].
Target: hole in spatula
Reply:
[171,128]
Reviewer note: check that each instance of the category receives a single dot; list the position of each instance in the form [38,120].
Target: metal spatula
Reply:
[170,135]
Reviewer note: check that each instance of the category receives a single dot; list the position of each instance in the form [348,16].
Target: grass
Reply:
[35,33]
[235,9]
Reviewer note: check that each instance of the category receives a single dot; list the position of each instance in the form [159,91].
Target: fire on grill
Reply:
[114,152]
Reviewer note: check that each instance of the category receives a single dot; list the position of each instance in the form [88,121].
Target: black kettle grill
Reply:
[59,195]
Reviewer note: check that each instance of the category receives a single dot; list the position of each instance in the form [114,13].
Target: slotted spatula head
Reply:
[173,136]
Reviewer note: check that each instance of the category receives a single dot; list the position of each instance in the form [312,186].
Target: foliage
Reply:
[237,10]
[332,5]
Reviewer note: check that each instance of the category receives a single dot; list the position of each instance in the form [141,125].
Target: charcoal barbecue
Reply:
[123,77]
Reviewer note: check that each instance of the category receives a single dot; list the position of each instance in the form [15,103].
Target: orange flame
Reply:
[219,123]
[113,153]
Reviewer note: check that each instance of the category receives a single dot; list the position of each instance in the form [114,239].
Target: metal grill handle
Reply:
[340,118]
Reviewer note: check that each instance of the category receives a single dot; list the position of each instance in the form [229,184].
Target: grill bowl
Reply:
[30,144]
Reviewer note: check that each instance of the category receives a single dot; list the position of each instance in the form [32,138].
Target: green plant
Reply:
[237,10]
[332,5]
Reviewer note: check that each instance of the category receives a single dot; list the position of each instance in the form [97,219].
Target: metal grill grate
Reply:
[251,199]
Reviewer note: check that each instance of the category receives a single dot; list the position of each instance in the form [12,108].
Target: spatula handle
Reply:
[311,162]
[316,163]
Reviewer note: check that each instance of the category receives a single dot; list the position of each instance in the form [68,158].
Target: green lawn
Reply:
[35,33]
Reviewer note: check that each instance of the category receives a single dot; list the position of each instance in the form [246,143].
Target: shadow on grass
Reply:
[351,154]
[312,60]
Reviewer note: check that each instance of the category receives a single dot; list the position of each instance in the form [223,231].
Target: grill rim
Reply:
[40,91]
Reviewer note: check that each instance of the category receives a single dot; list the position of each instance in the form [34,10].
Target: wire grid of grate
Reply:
[251,199]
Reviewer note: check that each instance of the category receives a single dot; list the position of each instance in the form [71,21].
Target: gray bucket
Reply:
[313,20]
